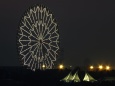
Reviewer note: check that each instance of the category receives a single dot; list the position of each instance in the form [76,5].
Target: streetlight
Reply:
[61,66]
[43,66]
[91,67]
[100,67]
[107,67]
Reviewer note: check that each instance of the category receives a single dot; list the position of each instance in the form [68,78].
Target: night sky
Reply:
[87,30]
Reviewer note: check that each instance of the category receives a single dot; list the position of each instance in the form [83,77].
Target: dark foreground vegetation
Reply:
[20,76]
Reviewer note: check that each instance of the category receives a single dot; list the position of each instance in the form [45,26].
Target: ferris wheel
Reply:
[38,38]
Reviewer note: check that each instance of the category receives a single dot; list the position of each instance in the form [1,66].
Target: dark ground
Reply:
[20,76]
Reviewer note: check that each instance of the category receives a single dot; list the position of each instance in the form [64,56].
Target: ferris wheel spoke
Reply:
[47,47]
[29,16]
[27,59]
[47,36]
[38,13]
[35,12]
[55,41]
[37,31]
[44,14]
[52,28]
[46,17]
[34,32]
[34,44]
[22,35]
[38,64]
[54,38]
[24,25]
[37,50]
[33,17]
[41,59]
[23,38]
[54,32]
[39,55]
[24,31]
[45,64]
[32,64]
[41,50]
[27,27]
[32,36]
[45,43]
[25,56]
[47,61]
[27,49]
[41,14]
[26,21]
[41,32]
[45,31]
[21,44]
[53,46]
[53,56]
[50,19]
[33,47]
[24,50]
[28,40]
[51,23]
[50,62]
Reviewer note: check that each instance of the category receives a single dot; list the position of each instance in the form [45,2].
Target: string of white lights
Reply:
[38,39]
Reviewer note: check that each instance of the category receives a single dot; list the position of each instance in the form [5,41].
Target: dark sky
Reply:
[87,29]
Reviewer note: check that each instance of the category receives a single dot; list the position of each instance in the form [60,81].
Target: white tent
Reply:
[70,78]
[76,77]
[88,78]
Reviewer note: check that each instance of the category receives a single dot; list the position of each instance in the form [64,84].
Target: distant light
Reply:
[91,67]
[107,67]
[100,67]
[43,66]
[61,66]
[70,66]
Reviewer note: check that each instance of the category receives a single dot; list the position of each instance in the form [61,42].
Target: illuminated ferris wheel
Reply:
[38,38]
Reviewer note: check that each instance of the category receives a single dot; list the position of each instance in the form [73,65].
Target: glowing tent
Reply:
[88,78]
[70,78]
[76,77]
